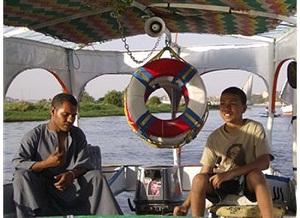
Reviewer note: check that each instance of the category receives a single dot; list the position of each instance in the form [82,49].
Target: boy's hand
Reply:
[217,179]
[180,210]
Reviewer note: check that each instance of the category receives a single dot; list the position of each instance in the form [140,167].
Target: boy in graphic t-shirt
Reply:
[232,161]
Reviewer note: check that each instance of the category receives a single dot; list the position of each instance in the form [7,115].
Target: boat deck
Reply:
[117,180]
[122,199]
[123,202]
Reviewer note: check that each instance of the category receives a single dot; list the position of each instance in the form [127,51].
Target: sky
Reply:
[34,84]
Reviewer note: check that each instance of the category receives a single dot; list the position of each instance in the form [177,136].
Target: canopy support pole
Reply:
[174,109]
[294,124]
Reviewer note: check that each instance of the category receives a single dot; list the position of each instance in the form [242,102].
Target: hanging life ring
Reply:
[172,133]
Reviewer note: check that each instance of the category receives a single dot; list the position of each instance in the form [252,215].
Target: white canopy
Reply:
[76,68]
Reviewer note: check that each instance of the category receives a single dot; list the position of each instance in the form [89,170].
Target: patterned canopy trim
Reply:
[219,23]
[84,21]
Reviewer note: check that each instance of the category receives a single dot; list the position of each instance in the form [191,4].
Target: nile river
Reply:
[120,145]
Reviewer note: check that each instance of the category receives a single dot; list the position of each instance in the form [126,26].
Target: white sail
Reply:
[287,94]
[247,88]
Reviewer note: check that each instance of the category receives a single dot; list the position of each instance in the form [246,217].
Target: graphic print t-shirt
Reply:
[226,151]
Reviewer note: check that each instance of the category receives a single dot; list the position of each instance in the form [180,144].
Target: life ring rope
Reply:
[145,121]
[172,54]
[185,76]
[143,76]
[192,118]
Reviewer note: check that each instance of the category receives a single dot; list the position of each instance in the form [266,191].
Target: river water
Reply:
[120,145]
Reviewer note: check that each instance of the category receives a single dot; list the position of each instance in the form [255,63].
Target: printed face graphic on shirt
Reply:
[235,157]
[233,153]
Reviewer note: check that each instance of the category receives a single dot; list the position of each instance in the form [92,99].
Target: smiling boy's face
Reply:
[232,108]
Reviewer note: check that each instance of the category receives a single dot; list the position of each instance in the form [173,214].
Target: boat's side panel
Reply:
[126,179]
[187,175]
[131,178]
[8,203]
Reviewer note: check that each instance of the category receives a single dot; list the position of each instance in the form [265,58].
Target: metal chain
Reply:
[117,10]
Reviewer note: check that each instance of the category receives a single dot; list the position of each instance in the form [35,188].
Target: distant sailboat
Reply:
[247,88]
[286,97]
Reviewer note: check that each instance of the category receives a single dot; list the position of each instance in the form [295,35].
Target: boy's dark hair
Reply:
[59,99]
[237,91]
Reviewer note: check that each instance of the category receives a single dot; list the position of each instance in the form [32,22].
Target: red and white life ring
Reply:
[172,133]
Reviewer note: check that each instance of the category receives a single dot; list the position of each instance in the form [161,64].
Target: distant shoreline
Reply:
[16,112]
[25,111]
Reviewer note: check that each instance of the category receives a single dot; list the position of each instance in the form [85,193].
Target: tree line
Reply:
[112,104]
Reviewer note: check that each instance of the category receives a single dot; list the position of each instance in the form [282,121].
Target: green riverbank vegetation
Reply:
[112,104]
